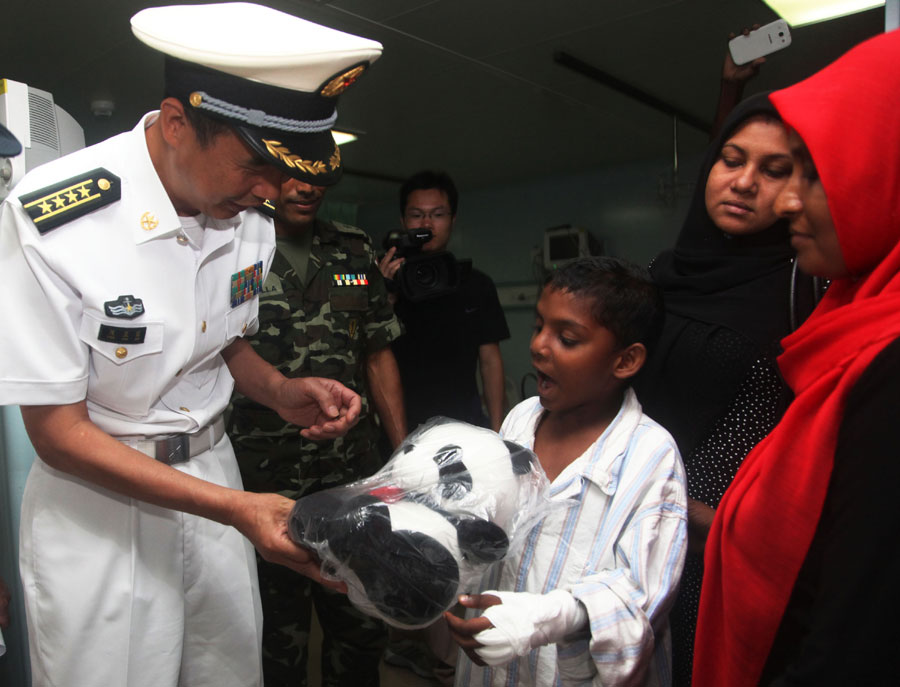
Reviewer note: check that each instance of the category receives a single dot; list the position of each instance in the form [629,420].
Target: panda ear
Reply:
[520,458]
[451,453]
[481,541]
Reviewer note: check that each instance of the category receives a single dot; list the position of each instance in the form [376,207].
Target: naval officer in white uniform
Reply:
[132,269]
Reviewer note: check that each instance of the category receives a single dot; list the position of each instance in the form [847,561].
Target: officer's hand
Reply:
[5,598]
[263,519]
[324,407]
[389,265]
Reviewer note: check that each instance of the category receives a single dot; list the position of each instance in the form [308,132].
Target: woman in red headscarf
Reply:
[802,582]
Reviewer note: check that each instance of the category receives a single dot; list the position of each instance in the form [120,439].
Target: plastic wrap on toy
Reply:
[452,500]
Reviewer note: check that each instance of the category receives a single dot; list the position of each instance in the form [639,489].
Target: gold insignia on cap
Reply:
[195,99]
[341,83]
[149,222]
[295,161]
[335,160]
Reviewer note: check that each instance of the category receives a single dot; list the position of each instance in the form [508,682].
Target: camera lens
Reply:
[426,275]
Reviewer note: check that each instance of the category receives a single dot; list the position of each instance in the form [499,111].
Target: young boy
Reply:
[586,599]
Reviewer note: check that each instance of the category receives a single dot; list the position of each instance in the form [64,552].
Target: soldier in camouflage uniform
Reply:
[323,312]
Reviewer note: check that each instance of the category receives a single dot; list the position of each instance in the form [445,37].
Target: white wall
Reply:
[500,228]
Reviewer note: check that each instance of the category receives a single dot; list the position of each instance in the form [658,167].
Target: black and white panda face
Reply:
[454,478]
[457,466]
[423,529]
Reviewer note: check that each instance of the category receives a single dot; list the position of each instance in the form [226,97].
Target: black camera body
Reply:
[407,242]
[422,275]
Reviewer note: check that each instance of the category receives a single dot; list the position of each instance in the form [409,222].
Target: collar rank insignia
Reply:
[128,307]
[246,284]
[350,280]
[53,206]
[267,208]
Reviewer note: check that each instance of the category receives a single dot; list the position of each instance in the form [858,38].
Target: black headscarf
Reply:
[739,283]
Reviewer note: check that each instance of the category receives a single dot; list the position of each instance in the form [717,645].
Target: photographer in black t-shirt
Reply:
[451,332]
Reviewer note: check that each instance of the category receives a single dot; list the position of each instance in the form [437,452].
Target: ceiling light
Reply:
[342,137]
[801,12]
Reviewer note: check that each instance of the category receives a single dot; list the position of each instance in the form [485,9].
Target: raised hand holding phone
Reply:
[759,42]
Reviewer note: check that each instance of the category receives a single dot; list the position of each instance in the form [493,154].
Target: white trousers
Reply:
[119,593]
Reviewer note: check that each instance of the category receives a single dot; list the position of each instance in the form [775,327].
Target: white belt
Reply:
[181,447]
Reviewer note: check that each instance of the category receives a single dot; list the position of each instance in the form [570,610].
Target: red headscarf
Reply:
[848,117]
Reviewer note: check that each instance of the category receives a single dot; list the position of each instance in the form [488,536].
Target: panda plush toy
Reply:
[422,530]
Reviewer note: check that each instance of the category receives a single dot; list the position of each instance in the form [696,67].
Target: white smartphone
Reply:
[763,41]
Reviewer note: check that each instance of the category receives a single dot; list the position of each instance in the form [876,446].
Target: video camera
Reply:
[422,275]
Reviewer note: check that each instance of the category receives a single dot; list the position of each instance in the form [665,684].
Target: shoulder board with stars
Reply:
[53,206]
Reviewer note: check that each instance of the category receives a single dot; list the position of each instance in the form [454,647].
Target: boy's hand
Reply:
[516,622]
[463,631]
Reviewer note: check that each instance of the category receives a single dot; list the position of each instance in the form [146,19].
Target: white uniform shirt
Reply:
[618,547]
[57,285]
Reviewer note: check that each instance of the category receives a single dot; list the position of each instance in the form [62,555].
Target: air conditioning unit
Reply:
[45,130]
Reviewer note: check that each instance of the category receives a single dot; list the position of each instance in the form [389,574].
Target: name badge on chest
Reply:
[121,335]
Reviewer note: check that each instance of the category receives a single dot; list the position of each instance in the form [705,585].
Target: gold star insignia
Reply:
[45,207]
[84,191]
[71,196]
[60,203]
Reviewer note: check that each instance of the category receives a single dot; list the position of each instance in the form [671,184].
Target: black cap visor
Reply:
[312,158]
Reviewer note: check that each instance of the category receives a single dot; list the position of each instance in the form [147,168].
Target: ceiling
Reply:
[470,86]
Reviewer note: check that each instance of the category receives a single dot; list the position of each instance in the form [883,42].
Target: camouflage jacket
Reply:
[323,330]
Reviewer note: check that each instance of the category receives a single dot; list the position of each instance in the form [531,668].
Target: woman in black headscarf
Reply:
[731,295]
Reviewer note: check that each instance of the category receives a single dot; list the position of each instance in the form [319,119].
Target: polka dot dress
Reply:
[754,411]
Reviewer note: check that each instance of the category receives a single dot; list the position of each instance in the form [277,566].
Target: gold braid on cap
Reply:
[284,154]
[276,149]
[335,161]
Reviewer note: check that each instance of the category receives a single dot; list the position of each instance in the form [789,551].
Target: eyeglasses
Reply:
[434,215]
